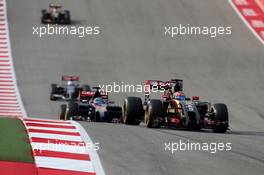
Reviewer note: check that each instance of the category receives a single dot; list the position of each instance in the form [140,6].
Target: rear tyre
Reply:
[192,124]
[155,109]
[132,111]
[44,16]
[63,112]
[53,91]
[220,115]
[67,17]
[97,117]
[72,110]
[52,98]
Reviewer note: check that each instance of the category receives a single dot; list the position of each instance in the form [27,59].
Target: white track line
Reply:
[8,49]
[93,154]
[48,123]
[64,164]
[55,136]
[77,149]
[52,129]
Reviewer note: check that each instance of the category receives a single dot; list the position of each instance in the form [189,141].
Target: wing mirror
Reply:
[195,98]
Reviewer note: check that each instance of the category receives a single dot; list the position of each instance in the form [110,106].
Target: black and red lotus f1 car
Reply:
[174,109]
[55,15]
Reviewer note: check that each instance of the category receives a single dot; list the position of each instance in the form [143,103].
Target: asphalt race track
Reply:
[132,48]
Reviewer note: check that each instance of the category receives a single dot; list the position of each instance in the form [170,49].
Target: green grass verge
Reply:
[14,143]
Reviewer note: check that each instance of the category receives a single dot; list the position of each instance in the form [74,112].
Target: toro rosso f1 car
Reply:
[68,90]
[92,106]
[56,15]
[174,109]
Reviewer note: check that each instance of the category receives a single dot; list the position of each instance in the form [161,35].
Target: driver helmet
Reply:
[167,86]
[98,101]
[179,96]
[69,83]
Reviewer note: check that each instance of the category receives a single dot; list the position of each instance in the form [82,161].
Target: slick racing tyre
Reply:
[53,91]
[44,17]
[63,112]
[67,17]
[192,124]
[220,115]
[97,117]
[155,109]
[72,110]
[132,111]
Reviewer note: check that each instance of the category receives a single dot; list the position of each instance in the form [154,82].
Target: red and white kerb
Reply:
[251,13]
[58,147]
[48,137]
[10,102]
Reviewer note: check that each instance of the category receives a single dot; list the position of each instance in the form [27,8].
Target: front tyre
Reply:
[154,110]
[72,110]
[53,91]
[97,117]
[132,111]
[67,17]
[220,118]
[63,112]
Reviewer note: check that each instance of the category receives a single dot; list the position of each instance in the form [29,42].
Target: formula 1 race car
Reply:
[68,90]
[92,106]
[174,109]
[56,15]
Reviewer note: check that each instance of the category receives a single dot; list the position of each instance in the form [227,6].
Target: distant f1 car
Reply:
[174,109]
[91,106]
[68,90]
[56,15]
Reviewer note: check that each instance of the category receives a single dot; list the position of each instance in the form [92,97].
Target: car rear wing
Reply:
[176,82]
[104,95]
[153,86]
[70,78]
[52,5]
[161,86]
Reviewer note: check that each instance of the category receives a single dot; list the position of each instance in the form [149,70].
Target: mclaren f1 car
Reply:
[68,89]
